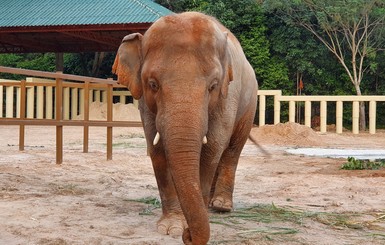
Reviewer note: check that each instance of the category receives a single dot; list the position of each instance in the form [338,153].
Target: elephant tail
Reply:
[261,148]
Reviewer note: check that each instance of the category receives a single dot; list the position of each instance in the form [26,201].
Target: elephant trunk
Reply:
[182,140]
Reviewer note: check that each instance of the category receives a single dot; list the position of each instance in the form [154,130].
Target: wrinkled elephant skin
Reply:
[197,99]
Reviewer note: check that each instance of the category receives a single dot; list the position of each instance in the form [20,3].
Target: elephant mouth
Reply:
[157,138]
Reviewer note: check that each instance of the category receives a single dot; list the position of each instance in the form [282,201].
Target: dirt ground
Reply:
[279,198]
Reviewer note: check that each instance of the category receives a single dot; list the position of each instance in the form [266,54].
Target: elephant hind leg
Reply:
[223,183]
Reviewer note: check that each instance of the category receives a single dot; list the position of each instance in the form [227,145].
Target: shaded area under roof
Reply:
[28,26]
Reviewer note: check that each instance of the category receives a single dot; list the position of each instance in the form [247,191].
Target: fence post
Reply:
[91,96]
[40,102]
[18,101]
[323,116]
[86,110]
[122,99]
[308,113]
[58,117]
[372,117]
[66,103]
[97,95]
[30,101]
[339,116]
[22,115]
[9,101]
[355,117]
[262,110]
[74,103]
[109,119]
[81,101]
[277,109]
[1,101]
[104,96]
[292,111]
[48,102]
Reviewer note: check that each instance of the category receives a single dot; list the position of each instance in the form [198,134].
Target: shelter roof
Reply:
[72,25]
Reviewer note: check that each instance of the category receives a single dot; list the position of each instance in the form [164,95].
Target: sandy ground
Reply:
[89,200]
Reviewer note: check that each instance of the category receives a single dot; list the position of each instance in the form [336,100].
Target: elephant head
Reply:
[182,68]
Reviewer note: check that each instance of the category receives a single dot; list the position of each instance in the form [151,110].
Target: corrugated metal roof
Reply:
[24,13]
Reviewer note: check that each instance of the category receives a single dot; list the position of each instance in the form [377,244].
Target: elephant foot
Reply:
[172,224]
[221,204]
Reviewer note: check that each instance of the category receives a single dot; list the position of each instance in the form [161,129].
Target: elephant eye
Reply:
[213,85]
[154,86]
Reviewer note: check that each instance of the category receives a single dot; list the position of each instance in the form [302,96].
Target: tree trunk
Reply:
[362,109]
[98,59]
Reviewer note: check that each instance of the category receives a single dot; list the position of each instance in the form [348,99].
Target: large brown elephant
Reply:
[197,99]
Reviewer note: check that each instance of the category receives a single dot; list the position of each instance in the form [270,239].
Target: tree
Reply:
[36,61]
[96,64]
[247,21]
[182,5]
[350,29]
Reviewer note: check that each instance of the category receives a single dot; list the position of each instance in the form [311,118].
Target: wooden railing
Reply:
[61,98]
[323,100]
[37,101]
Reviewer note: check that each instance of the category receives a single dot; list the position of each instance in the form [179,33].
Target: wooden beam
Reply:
[137,27]
[95,37]
[46,74]
[25,42]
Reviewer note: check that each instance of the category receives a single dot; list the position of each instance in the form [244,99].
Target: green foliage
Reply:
[178,6]
[238,16]
[340,26]
[357,164]
[83,64]
[248,22]
[151,202]
[41,62]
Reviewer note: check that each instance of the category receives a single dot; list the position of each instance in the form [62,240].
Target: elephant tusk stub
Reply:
[204,141]
[156,139]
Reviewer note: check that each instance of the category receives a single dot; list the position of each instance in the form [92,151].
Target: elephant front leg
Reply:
[172,221]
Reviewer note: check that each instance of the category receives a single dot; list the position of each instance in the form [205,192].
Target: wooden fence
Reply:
[39,100]
[55,103]
[323,100]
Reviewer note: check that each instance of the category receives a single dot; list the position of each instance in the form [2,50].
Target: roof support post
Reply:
[59,62]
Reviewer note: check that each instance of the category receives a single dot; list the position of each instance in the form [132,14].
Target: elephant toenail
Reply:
[162,229]
[217,203]
[175,231]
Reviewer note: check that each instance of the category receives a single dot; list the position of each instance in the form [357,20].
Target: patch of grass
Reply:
[56,241]
[68,190]
[338,221]
[274,223]
[152,204]
[131,135]
[357,164]
[264,213]
[129,145]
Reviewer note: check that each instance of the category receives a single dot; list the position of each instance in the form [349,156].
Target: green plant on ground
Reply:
[357,164]
[152,204]
[275,224]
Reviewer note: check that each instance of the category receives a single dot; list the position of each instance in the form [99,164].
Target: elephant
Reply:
[197,99]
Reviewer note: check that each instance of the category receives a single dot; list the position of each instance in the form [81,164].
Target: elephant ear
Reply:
[227,67]
[128,62]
